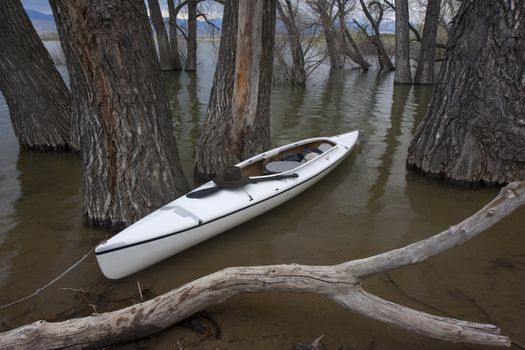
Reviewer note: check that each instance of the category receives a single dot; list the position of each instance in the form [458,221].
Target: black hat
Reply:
[231,178]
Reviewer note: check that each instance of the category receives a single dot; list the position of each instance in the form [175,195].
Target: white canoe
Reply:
[185,221]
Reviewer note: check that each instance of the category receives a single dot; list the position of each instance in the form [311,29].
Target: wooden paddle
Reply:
[207,191]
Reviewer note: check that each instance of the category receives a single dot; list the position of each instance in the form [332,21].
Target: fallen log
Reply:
[342,283]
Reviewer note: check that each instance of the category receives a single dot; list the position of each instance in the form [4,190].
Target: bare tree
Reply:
[382,55]
[39,101]
[425,67]
[288,14]
[166,62]
[350,47]
[403,73]
[237,120]
[191,56]
[474,128]
[174,41]
[130,164]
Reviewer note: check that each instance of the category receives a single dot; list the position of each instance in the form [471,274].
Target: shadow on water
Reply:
[369,204]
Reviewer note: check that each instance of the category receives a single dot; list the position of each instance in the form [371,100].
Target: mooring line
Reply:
[49,283]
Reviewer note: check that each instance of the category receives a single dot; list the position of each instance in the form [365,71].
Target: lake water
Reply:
[369,204]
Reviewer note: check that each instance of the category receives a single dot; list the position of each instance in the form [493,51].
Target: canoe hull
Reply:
[131,257]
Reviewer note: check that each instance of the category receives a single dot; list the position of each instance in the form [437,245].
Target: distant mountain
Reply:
[37,15]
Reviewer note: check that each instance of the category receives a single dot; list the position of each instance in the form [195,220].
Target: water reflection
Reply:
[369,204]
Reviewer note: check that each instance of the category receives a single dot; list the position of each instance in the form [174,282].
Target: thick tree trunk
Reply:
[287,15]
[323,9]
[191,57]
[165,59]
[237,120]
[77,84]
[39,101]
[342,283]
[174,41]
[382,55]
[403,74]
[474,130]
[129,156]
[425,66]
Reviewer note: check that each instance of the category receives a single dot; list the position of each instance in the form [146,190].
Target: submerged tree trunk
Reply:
[162,37]
[403,74]
[191,57]
[425,66]
[382,55]
[343,283]
[474,130]
[174,41]
[353,51]
[287,15]
[237,120]
[324,10]
[39,101]
[130,164]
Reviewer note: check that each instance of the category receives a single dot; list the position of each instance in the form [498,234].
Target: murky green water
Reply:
[368,205]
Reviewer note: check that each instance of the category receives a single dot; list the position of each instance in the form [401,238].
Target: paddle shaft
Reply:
[207,191]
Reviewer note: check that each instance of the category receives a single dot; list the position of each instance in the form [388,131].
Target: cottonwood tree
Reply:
[344,7]
[237,123]
[174,40]
[382,55]
[427,52]
[130,164]
[191,47]
[166,62]
[474,130]
[39,101]
[403,73]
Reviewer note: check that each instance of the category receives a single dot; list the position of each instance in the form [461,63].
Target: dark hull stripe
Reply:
[222,217]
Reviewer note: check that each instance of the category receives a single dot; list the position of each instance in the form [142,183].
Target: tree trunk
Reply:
[191,57]
[425,66]
[38,100]
[237,120]
[353,53]
[174,41]
[130,164]
[165,59]
[382,55]
[342,283]
[322,7]
[403,74]
[474,130]
[294,40]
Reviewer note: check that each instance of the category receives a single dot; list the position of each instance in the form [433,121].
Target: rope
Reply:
[48,284]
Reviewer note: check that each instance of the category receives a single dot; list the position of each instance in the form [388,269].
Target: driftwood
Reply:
[342,283]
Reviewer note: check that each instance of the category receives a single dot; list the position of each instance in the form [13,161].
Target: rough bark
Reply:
[403,74]
[382,55]
[353,51]
[287,15]
[342,283]
[38,100]
[425,66]
[237,120]
[79,106]
[164,54]
[130,164]
[191,56]
[474,130]
[174,41]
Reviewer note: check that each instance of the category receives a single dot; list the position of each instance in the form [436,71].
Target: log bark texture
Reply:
[474,130]
[427,53]
[163,44]
[38,100]
[342,283]
[130,164]
[403,73]
[237,121]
